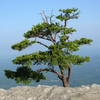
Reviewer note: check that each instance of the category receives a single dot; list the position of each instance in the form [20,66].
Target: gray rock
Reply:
[43,92]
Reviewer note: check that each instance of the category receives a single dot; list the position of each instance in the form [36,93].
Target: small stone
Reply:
[93,85]
[69,91]
[2,90]
[87,87]
[29,98]
[2,98]
[64,96]
[39,85]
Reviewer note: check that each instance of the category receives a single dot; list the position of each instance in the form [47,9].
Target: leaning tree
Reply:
[59,56]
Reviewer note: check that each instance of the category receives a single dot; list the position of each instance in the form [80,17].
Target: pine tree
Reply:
[59,56]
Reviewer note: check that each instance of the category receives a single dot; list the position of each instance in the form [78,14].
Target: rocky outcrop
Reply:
[51,93]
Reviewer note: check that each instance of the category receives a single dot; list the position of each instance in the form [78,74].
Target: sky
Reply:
[18,16]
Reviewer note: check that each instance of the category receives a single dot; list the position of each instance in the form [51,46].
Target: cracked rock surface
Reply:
[43,92]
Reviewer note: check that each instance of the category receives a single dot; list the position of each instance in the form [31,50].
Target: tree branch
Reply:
[43,44]
[49,70]
[44,17]
[65,23]
[69,72]
[61,70]
[53,39]
[45,38]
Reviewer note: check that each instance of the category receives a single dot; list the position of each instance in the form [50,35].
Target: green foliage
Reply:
[36,58]
[59,52]
[23,44]
[83,41]
[77,60]
[67,14]
[24,75]
[43,30]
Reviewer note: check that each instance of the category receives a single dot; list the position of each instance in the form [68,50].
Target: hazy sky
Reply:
[17,16]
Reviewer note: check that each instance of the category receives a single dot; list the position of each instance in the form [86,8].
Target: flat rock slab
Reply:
[42,92]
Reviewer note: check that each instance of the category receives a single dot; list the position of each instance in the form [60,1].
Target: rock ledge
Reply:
[42,92]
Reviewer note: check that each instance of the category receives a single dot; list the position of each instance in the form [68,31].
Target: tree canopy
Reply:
[60,52]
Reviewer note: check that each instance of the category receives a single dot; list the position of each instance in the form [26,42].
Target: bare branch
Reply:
[51,19]
[44,16]
[51,16]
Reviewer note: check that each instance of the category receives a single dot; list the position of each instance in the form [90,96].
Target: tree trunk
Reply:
[69,72]
[65,78]
[65,82]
